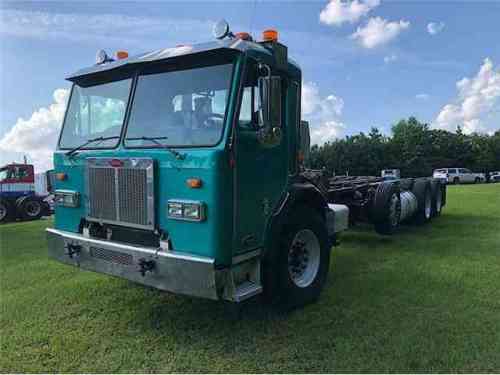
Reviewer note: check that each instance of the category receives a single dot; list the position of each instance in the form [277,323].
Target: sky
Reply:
[365,62]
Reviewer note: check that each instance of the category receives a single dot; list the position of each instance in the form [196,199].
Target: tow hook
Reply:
[146,266]
[73,250]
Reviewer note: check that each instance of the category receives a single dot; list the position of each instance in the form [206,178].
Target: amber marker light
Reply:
[194,183]
[121,55]
[270,35]
[61,176]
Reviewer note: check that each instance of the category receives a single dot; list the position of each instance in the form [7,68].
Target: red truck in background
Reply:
[18,196]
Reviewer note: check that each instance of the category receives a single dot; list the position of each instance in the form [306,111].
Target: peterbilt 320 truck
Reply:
[182,169]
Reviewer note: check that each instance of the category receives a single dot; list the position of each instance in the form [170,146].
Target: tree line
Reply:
[414,148]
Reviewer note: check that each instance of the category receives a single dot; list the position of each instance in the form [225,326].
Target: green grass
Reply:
[425,300]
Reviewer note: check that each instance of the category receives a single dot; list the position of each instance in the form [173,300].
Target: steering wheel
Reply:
[211,120]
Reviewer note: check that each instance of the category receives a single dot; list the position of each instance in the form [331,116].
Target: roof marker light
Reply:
[121,55]
[244,36]
[270,35]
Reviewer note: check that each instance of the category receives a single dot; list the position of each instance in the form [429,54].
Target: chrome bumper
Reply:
[165,270]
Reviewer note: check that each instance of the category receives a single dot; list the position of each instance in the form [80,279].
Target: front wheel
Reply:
[300,267]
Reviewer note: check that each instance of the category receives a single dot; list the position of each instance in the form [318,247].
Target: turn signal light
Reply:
[61,176]
[270,35]
[194,183]
[121,55]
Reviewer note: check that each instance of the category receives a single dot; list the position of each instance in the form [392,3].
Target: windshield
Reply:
[95,111]
[182,108]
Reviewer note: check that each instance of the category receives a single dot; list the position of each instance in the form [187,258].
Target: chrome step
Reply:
[246,290]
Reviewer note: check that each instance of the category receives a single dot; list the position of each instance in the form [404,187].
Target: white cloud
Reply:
[323,114]
[37,136]
[378,31]
[477,101]
[106,29]
[434,28]
[422,96]
[390,58]
[338,12]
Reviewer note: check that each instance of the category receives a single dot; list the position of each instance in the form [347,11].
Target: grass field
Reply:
[426,300]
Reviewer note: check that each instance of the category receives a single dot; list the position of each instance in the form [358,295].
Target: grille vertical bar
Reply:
[123,194]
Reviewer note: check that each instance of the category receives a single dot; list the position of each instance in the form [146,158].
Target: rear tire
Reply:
[386,209]
[31,208]
[6,211]
[422,191]
[437,197]
[477,180]
[298,270]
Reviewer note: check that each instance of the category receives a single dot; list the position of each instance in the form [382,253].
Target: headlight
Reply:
[186,210]
[66,198]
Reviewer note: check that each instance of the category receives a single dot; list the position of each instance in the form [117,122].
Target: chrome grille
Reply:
[120,191]
[111,256]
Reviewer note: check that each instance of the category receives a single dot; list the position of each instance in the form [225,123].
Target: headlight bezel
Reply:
[186,206]
[67,198]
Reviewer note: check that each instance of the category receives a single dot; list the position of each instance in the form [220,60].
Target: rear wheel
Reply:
[31,208]
[422,191]
[477,180]
[299,269]
[456,180]
[386,209]
[5,211]
[437,197]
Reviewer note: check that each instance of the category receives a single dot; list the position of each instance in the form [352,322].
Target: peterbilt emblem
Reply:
[116,163]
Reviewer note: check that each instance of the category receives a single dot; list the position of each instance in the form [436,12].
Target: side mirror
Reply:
[304,143]
[270,107]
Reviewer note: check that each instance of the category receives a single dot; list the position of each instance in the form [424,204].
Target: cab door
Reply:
[261,170]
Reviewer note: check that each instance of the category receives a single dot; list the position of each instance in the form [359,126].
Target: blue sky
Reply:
[365,63]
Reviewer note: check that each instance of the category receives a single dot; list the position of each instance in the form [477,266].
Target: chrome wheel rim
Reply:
[304,258]
[33,208]
[395,210]
[428,206]
[3,211]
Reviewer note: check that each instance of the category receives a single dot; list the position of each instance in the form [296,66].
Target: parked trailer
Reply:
[19,198]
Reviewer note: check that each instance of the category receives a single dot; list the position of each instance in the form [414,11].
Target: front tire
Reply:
[299,270]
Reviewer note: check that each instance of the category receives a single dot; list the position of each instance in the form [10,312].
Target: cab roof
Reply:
[233,44]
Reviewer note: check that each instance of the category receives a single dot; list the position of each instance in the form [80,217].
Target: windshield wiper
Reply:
[176,153]
[89,141]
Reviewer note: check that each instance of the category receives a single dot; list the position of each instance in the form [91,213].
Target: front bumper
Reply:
[165,270]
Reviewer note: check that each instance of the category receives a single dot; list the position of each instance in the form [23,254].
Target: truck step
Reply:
[246,290]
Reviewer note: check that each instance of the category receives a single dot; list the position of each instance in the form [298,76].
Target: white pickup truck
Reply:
[458,176]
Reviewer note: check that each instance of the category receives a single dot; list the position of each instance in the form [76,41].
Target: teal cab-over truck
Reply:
[181,169]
